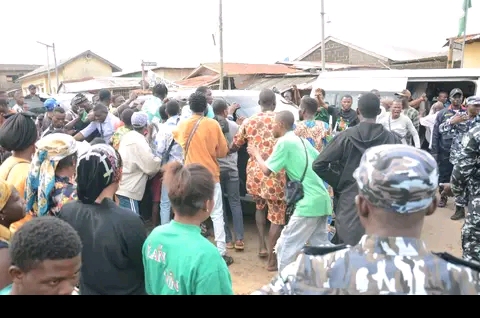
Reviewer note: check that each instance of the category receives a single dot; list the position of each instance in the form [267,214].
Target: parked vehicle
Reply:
[248,101]
[430,81]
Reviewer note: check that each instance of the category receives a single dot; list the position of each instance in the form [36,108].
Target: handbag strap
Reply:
[169,149]
[306,164]
[191,136]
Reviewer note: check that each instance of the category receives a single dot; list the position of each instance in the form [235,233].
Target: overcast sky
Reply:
[179,32]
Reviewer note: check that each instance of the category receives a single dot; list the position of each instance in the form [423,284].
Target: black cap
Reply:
[456,91]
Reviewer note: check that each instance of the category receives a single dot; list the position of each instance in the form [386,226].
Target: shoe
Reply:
[459,213]
[443,202]
[228,260]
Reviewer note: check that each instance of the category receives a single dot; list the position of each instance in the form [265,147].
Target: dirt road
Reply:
[248,272]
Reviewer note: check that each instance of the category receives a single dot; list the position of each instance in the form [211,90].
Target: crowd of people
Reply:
[72,182]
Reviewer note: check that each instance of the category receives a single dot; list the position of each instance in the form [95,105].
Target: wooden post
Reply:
[450,54]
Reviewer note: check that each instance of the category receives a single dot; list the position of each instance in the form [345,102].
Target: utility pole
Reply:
[323,35]
[220,16]
[56,67]
[48,46]
[143,76]
[465,11]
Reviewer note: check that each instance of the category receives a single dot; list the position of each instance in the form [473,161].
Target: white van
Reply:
[430,81]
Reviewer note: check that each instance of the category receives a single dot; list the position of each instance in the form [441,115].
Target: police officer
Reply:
[458,126]
[465,176]
[442,142]
[397,187]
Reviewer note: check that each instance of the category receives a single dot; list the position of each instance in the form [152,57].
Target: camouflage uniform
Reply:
[442,142]
[458,131]
[466,175]
[398,179]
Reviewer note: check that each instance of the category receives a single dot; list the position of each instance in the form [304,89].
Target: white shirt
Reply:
[106,129]
[17,108]
[401,126]
[383,113]
[138,164]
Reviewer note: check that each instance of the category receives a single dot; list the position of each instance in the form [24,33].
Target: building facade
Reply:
[342,52]
[9,73]
[84,65]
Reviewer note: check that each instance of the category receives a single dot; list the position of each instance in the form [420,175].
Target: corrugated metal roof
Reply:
[204,80]
[18,67]
[307,65]
[468,39]
[98,83]
[43,69]
[234,69]
[282,83]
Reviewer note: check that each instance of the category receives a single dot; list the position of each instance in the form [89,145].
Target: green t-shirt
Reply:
[289,154]
[6,290]
[178,260]
[323,115]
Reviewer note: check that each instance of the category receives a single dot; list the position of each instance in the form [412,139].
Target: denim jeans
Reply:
[230,183]
[217,219]
[128,203]
[164,206]
[298,232]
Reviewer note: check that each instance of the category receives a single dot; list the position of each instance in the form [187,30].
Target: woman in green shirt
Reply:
[177,259]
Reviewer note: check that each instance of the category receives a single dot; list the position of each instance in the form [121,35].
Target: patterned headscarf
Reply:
[41,179]
[98,168]
[5,193]
[397,178]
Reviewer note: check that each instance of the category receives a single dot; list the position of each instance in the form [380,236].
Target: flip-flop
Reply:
[239,246]
[263,254]
[230,246]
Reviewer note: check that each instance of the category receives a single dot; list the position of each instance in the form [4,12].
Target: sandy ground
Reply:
[248,271]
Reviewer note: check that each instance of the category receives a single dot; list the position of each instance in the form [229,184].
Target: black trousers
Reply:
[444,168]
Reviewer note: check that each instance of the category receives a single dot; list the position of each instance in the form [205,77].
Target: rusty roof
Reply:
[43,69]
[203,80]
[468,39]
[234,69]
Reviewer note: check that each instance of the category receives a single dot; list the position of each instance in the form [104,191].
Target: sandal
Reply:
[263,254]
[230,246]
[239,245]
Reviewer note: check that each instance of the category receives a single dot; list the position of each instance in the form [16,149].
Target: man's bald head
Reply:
[267,99]
[284,121]
[286,118]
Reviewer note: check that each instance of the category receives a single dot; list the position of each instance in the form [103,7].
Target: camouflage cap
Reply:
[473,100]
[398,178]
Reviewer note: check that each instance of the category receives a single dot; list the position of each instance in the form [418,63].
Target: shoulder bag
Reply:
[190,138]
[294,189]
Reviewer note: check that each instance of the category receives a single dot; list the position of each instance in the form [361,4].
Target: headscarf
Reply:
[5,193]
[41,179]
[98,168]
[18,132]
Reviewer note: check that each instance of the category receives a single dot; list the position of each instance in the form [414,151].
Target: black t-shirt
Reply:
[112,239]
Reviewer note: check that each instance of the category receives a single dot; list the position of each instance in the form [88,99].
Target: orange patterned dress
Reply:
[267,191]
